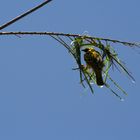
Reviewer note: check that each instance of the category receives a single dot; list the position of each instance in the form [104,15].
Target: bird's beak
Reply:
[84,50]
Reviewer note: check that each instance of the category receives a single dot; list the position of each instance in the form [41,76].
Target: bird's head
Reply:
[87,49]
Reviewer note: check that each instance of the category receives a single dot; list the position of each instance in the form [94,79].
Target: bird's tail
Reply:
[99,78]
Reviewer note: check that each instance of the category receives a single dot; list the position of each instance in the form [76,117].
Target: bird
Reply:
[94,61]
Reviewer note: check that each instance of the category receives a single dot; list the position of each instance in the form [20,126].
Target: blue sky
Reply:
[40,95]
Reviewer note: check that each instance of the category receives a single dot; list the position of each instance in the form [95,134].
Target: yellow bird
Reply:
[94,61]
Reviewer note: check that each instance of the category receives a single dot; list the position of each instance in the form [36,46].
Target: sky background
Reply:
[40,95]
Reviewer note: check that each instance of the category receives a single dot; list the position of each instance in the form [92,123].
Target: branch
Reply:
[74,43]
[24,14]
[130,44]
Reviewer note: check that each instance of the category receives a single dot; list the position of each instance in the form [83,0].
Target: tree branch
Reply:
[131,44]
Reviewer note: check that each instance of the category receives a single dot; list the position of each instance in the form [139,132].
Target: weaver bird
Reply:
[94,61]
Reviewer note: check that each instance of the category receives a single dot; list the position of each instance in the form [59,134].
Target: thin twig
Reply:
[24,14]
[130,44]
